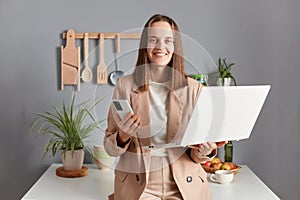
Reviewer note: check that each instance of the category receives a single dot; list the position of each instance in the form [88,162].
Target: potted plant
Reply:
[225,76]
[67,132]
[202,78]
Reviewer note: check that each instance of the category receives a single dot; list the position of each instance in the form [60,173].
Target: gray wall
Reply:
[262,37]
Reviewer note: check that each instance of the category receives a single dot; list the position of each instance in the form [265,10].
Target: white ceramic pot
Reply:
[227,82]
[75,162]
[102,159]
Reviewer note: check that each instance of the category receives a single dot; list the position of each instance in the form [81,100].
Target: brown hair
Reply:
[178,75]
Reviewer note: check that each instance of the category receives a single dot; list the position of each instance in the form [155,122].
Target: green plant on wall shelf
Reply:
[66,128]
[224,70]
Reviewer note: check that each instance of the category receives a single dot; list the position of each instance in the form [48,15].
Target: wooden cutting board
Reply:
[70,62]
[60,171]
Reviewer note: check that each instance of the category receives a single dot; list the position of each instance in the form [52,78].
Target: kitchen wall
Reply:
[262,37]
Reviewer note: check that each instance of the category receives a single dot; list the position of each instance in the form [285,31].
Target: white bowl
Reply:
[102,159]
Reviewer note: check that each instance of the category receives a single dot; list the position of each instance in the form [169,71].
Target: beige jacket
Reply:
[132,170]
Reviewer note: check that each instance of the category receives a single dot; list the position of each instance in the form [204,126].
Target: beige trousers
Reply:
[161,184]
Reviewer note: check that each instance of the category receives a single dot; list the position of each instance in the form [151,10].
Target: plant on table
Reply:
[66,128]
[224,70]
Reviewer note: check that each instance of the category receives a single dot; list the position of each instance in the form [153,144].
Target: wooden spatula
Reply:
[70,62]
[102,68]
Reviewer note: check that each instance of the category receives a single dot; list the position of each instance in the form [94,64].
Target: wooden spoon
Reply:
[86,74]
[102,68]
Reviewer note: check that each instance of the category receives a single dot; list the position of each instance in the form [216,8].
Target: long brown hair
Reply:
[178,75]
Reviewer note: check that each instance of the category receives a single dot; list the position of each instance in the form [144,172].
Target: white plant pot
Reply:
[102,159]
[227,82]
[73,163]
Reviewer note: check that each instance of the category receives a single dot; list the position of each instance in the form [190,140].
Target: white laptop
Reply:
[223,113]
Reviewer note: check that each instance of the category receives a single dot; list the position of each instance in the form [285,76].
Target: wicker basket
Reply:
[212,170]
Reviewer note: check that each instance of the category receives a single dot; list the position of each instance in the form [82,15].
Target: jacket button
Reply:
[189,179]
[137,177]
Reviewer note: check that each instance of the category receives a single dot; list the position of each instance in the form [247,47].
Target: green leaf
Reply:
[224,63]
[72,107]
[229,66]
[233,79]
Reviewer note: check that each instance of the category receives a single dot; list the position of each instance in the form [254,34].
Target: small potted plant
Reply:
[225,76]
[202,78]
[67,132]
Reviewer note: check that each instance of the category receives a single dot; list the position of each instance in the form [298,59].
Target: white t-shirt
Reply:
[158,115]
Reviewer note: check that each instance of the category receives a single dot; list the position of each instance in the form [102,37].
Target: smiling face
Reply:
[160,44]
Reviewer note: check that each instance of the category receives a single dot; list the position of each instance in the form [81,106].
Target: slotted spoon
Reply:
[102,68]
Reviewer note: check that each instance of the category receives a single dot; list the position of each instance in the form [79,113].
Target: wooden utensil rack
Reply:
[70,54]
[111,35]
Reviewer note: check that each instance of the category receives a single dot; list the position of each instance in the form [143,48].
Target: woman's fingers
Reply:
[195,146]
[212,145]
[219,144]
[206,145]
[206,148]
[130,123]
[136,123]
[125,119]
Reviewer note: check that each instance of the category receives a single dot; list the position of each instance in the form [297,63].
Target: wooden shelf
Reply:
[111,35]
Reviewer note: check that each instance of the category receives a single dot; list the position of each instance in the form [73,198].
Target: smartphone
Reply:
[122,107]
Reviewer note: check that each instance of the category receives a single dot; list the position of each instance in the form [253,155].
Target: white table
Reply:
[99,183]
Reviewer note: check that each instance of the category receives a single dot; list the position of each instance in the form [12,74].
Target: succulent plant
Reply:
[224,70]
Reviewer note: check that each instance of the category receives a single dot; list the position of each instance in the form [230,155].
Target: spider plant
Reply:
[224,70]
[66,127]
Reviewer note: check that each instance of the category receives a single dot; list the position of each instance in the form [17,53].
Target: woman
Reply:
[162,98]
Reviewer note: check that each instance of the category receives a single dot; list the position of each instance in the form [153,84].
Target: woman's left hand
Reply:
[204,148]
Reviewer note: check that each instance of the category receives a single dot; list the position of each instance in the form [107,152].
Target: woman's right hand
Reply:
[128,126]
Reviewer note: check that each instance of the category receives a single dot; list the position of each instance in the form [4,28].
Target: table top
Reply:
[98,184]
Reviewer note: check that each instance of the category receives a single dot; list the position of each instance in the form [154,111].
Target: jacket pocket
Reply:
[194,173]
[202,174]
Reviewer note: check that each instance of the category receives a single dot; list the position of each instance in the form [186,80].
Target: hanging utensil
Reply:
[102,68]
[70,62]
[113,77]
[86,74]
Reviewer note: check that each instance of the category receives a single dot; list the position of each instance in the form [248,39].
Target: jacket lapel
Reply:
[175,107]
[140,104]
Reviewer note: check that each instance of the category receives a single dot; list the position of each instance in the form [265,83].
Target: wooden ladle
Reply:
[86,74]
[113,77]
